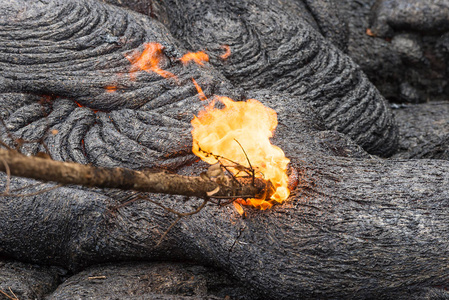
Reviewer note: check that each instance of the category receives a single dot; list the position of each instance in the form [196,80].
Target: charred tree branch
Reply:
[43,169]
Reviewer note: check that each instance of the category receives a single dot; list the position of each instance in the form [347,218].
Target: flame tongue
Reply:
[242,125]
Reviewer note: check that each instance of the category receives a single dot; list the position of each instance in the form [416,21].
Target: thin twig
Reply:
[250,166]
[35,193]
[167,231]
[8,296]
[244,152]
[126,203]
[237,166]
[232,175]
[28,186]
[235,241]
[218,157]
[180,216]
[12,293]
[227,202]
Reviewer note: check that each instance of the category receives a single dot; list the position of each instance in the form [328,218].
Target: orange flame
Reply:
[148,61]
[199,57]
[227,53]
[238,208]
[239,128]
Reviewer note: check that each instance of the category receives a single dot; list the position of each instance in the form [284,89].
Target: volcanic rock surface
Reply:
[402,46]
[355,226]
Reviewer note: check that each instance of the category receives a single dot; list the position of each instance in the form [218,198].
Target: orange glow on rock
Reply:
[370,32]
[242,126]
[201,94]
[148,61]
[199,57]
[110,88]
[227,53]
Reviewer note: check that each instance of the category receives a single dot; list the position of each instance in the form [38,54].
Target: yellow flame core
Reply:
[250,123]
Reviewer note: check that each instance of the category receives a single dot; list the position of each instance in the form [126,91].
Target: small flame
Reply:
[201,94]
[241,132]
[238,208]
[199,57]
[227,53]
[148,61]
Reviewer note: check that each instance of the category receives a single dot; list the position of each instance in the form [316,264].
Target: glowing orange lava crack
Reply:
[148,60]
[199,58]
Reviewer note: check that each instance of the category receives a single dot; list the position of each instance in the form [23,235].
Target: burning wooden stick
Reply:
[241,132]
[17,164]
